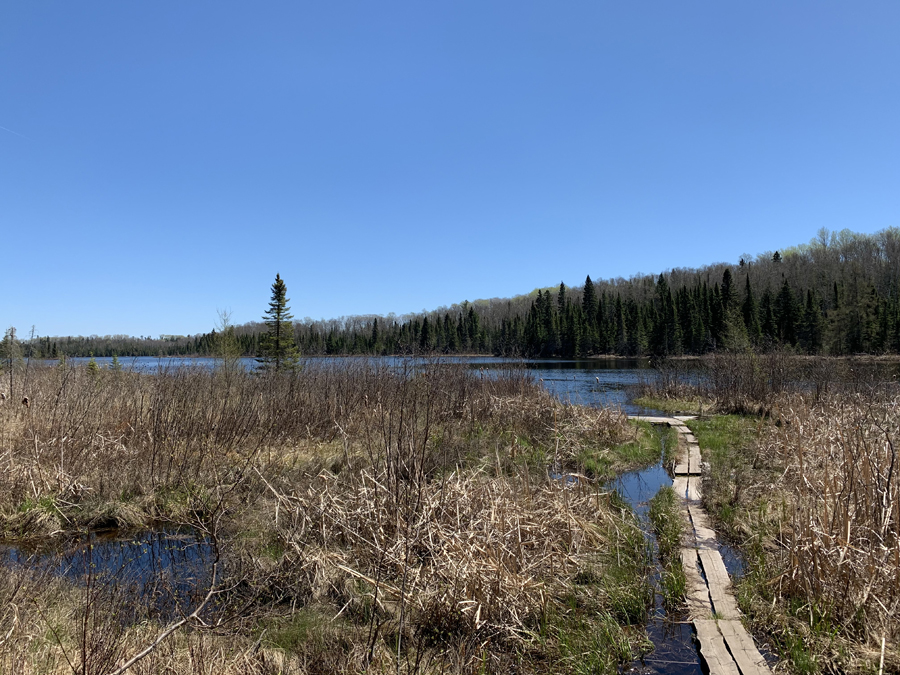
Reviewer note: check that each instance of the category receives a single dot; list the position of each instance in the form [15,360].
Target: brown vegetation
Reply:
[839,549]
[809,483]
[397,519]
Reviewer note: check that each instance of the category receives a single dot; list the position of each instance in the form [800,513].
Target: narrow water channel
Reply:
[674,649]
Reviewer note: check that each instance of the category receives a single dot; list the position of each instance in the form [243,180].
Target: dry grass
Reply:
[749,382]
[400,519]
[806,478]
[841,547]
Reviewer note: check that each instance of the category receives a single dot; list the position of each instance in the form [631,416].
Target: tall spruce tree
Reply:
[277,349]
[589,314]
[750,310]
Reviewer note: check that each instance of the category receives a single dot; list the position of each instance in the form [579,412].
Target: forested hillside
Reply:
[839,294]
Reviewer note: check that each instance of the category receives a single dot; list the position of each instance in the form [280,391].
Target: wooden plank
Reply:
[682,465]
[743,649]
[685,418]
[713,649]
[693,489]
[694,459]
[724,604]
[652,420]
[704,535]
[706,539]
[698,515]
[680,486]
[689,437]
[696,593]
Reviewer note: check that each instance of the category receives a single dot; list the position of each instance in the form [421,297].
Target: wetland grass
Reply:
[365,518]
[806,481]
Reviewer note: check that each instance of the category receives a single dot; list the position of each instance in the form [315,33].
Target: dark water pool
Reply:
[160,574]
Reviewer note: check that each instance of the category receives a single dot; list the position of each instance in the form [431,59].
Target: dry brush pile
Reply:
[411,509]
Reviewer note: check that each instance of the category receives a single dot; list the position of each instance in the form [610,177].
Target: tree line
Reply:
[839,294]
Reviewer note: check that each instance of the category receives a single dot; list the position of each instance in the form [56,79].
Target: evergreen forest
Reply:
[837,295]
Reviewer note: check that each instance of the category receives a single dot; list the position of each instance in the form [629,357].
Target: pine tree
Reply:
[425,336]
[786,314]
[751,314]
[589,321]
[767,313]
[666,336]
[277,350]
[811,326]
[373,339]
[728,293]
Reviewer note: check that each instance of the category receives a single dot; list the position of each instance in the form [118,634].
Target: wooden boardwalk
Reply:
[725,645]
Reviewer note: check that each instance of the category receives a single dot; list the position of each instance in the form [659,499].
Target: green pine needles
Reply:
[277,350]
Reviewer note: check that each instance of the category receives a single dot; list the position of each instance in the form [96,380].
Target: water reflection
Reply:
[158,574]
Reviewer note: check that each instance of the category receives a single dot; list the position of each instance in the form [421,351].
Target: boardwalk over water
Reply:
[725,645]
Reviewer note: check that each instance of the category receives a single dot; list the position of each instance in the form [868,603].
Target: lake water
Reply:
[591,382]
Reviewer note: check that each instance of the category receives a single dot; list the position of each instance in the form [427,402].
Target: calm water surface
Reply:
[592,382]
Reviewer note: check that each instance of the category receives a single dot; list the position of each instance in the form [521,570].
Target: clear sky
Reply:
[163,160]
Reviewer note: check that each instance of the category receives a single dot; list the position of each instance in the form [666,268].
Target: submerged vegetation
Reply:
[415,519]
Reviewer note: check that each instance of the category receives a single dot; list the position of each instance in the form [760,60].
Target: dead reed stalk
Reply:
[842,549]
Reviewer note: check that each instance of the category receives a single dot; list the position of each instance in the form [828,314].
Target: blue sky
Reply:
[163,160]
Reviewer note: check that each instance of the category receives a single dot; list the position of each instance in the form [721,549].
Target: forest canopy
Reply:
[838,294]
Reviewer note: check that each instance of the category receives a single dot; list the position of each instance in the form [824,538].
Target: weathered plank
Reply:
[724,604]
[652,420]
[684,418]
[713,649]
[705,536]
[743,649]
[693,489]
[725,645]
[682,468]
[694,459]
[696,593]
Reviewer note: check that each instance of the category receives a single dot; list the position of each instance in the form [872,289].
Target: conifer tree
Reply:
[728,293]
[811,327]
[278,352]
[786,314]
[425,336]
[767,312]
[751,314]
[589,314]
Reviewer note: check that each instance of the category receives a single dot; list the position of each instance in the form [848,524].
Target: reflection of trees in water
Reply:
[150,575]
